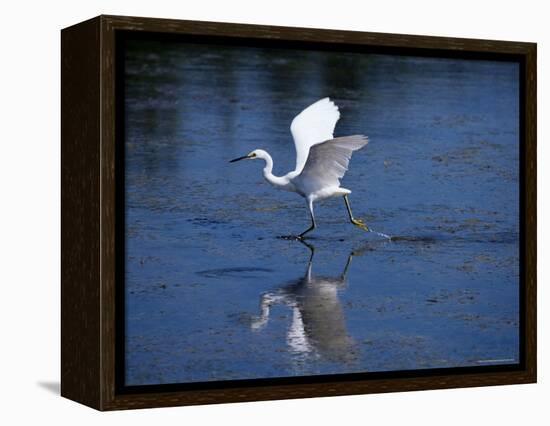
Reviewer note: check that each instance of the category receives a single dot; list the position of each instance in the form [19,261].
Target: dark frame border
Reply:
[103,332]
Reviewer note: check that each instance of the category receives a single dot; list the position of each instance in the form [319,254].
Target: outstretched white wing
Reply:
[313,125]
[328,161]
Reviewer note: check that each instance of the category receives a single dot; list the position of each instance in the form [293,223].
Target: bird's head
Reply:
[254,155]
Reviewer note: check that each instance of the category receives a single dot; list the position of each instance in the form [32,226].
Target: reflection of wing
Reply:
[313,125]
[328,161]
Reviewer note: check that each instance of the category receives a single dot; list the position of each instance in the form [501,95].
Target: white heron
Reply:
[318,323]
[321,159]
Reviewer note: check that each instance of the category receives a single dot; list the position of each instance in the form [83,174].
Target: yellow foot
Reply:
[359,223]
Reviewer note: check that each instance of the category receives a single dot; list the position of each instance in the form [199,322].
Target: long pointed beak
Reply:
[244,157]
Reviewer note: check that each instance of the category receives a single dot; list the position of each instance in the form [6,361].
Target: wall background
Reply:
[29,225]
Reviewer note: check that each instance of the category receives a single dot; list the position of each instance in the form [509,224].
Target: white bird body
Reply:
[318,324]
[321,159]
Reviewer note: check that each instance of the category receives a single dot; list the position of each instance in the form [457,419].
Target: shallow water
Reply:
[213,294]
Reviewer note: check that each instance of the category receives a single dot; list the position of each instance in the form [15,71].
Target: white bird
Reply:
[321,159]
[318,323]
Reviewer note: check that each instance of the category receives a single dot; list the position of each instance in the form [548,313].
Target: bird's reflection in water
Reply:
[318,326]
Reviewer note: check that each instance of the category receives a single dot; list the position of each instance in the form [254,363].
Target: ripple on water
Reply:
[235,272]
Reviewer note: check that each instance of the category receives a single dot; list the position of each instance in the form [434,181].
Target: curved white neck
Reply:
[268,169]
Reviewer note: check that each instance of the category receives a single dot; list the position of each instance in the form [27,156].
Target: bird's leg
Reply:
[344,274]
[313,225]
[356,222]
[310,262]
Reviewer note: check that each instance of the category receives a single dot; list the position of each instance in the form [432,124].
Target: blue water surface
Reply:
[213,294]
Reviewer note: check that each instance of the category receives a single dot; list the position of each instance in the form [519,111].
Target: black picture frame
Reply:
[93,213]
